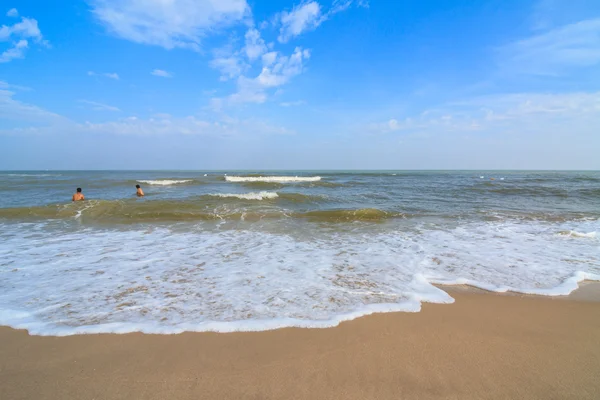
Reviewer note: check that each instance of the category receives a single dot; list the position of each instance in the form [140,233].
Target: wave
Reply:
[165,182]
[590,235]
[500,189]
[134,211]
[273,179]
[264,195]
[248,196]
[279,185]
[363,214]
[176,280]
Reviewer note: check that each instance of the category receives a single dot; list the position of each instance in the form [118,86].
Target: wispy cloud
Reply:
[12,13]
[12,109]
[513,113]
[17,51]
[555,51]
[99,106]
[169,24]
[292,103]
[161,73]
[301,18]
[6,85]
[255,45]
[190,125]
[308,16]
[110,75]
[160,125]
[230,65]
[20,33]
[277,70]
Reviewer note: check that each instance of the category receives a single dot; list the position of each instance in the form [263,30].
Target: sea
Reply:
[232,251]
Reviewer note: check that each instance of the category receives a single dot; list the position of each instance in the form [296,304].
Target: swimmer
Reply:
[139,192]
[78,196]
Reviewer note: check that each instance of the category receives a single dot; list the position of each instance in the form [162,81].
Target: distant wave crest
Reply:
[248,196]
[275,179]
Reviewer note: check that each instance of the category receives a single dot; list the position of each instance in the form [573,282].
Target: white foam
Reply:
[248,196]
[208,278]
[589,235]
[165,182]
[274,179]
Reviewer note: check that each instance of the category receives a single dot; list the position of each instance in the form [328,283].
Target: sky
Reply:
[287,84]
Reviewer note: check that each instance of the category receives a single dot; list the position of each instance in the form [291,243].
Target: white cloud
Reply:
[233,63]
[275,74]
[292,103]
[160,125]
[168,23]
[555,51]
[547,14]
[99,106]
[269,58]
[308,16]
[17,51]
[47,122]
[27,28]
[12,13]
[6,85]
[110,75]
[18,33]
[255,45]
[12,109]
[183,126]
[510,113]
[303,17]
[161,73]
[230,66]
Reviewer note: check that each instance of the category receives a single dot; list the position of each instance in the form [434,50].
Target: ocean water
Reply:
[255,250]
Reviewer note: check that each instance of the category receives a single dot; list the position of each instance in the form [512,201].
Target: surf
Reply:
[273,179]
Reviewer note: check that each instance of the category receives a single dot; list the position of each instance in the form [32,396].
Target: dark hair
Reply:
[137,186]
[78,190]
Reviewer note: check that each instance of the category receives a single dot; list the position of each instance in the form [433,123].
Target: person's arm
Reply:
[82,197]
[73,198]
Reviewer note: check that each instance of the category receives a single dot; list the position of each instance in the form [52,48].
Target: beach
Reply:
[484,346]
[300,285]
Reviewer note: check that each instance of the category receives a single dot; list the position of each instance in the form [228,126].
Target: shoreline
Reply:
[484,346]
[587,291]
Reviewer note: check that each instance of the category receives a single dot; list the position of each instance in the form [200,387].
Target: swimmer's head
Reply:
[137,186]
[78,190]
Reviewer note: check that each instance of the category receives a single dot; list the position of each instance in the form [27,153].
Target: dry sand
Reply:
[482,347]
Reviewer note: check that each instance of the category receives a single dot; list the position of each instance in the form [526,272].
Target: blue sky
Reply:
[348,84]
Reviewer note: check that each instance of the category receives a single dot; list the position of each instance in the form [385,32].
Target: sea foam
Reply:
[208,278]
[248,196]
[576,234]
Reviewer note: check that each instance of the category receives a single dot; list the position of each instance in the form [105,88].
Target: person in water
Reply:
[78,196]
[139,192]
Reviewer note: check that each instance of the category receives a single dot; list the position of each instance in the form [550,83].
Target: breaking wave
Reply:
[273,179]
[166,182]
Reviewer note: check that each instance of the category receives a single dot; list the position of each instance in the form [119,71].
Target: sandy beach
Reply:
[485,346]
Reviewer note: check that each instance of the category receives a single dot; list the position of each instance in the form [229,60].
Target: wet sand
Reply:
[485,346]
